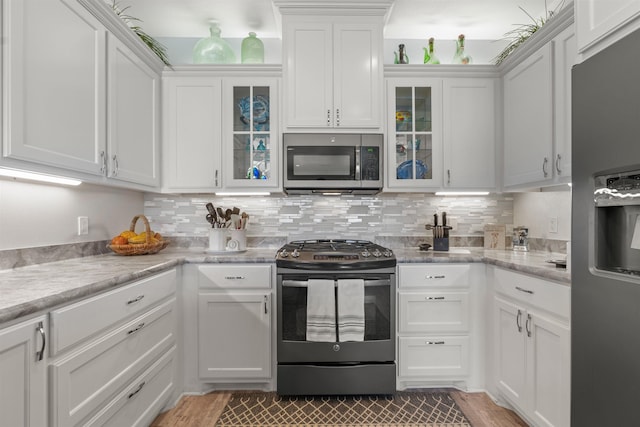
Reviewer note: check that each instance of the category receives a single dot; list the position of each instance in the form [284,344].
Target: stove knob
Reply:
[387,253]
[295,253]
[366,253]
[377,253]
[284,253]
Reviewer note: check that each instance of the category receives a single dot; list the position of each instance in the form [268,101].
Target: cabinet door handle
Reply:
[434,298]
[115,165]
[136,329]
[266,299]
[428,276]
[558,159]
[528,325]
[448,176]
[518,317]
[544,167]
[526,291]
[337,117]
[137,390]
[434,342]
[135,300]
[103,163]
[215,179]
[40,329]
[328,117]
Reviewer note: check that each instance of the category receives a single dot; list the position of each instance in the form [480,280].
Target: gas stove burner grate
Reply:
[334,253]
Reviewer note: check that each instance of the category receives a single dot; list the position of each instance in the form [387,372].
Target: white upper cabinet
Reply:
[191,134]
[469,133]
[537,108]
[55,71]
[414,139]
[333,72]
[76,75]
[528,120]
[600,23]
[134,99]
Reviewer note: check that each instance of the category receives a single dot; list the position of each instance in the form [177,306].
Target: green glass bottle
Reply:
[429,55]
[461,57]
[252,50]
[213,49]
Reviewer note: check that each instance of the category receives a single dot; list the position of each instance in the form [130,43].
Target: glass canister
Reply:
[252,50]
[213,49]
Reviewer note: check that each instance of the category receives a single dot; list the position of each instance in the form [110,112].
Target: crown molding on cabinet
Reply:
[334,7]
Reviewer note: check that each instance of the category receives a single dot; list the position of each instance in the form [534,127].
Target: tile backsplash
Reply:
[379,218]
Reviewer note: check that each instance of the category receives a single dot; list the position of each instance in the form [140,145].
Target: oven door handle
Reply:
[303,283]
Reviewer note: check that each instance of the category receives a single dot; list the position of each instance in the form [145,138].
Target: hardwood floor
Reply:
[201,411]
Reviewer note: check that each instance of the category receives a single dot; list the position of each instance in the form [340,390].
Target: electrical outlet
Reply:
[553,224]
[83,225]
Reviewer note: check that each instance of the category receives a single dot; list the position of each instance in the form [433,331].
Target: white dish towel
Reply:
[351,309]
[321,310]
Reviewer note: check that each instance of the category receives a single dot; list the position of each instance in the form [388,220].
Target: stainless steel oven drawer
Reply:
[337,379]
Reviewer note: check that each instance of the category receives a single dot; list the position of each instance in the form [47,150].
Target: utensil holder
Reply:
[239,236]
[440,243]
[217,239]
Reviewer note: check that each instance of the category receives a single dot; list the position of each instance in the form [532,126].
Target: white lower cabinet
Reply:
[234,323]
[23,367]
[437,306]
[119,362]
[532,347]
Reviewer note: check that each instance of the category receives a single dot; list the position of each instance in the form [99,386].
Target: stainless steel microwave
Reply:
[330,163]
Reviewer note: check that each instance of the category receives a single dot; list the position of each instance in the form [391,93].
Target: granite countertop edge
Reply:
[32,290]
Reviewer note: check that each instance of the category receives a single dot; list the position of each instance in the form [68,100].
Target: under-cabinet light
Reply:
[255,193]
[32,176]
[462,193]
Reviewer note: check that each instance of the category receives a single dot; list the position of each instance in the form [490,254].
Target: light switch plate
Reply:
[83,225]
[553,224]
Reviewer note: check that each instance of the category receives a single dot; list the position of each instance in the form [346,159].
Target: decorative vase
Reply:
[461,56]
[429,55]
[213,49]
[252,50]
[402,58]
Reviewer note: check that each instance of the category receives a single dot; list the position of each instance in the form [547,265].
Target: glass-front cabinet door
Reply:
[250,135]
[414,141]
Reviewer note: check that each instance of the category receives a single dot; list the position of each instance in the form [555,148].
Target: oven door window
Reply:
[321,162]
[377,310]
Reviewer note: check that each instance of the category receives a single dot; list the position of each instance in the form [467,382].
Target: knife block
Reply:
[440,243]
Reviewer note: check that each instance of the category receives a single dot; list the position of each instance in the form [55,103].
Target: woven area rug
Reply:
[412,408]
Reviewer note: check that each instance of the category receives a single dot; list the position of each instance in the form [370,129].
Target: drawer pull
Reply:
[526,291]
[40,329]
[234,277]
[135,300]
[434,298]
[137,390]
[136,329]
[435,342]
[428,276]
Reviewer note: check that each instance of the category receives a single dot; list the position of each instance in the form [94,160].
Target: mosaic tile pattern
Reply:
[378,218]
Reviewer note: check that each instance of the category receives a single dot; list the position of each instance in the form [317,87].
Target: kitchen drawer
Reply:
[433,275]
[550,296]
[433,356]
[84,381]
[76,322]
[433,312]
[234,276]
[140,402]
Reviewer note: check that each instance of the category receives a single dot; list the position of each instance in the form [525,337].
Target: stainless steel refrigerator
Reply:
[605,288]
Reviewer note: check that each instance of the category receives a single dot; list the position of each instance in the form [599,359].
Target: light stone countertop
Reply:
[28,290]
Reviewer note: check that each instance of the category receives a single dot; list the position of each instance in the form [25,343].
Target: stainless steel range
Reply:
[336,318]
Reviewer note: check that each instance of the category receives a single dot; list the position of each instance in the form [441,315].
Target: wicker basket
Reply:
[141,248]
